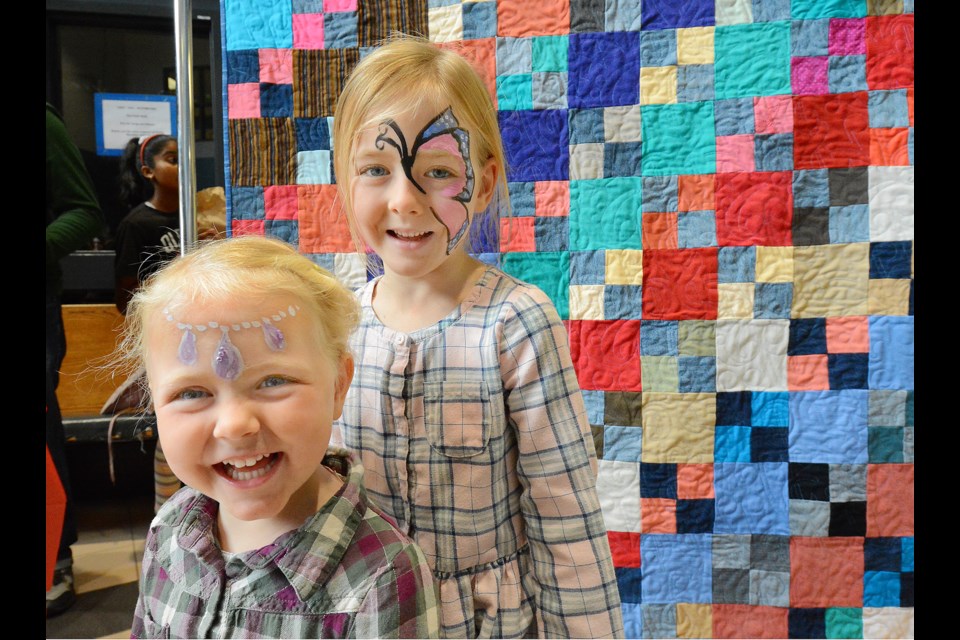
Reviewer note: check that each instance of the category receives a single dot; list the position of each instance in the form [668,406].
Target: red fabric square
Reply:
[889,147]
[658,515]
[831,131]
[695,193]
[808,373]
[481,53]
[694,481]
[659,230]
[889,500]
[910,105]
[606,354]
[848,334]
[826,572]
[323,225]
[748,621]
[890,52]
[552,198]
[246,228]
[57,506]
[517,234]
[625,548]
[280,202]
[755,209]
[515,18]
[680,284]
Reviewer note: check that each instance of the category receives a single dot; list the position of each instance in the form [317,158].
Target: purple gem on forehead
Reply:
[274,337]
[227,362]
[188,348]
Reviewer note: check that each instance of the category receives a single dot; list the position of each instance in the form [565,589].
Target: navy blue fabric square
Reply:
[659,194]
[621,159]
[695,83]
[881,554]
[586,125]
[658,48]
[659,338]
[622,302]
[628,581]
[808,336]
[906,589]
[276,100]
[695,516]
[246,203]
[733,116]
[658,480]
[773,152]
[536,144]
[243,66]
[670,14]
[697,374]
[890,259]
[522,202]
[587,267]
[479,20]
[592,59]
[313,134]
[848,370]
[809,481]
[736,264]
[772,299]
[286,230]
[768,444]
[340,29]
[551,233]
[734,408]
[848,519]
[807,623]
[811,188]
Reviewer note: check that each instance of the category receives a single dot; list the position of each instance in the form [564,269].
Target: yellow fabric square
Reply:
[774,264]
[735,300]
[658,85]
[888,297]
[624,266]
[694,620]
[621,124]
[830,280]
[678,427]
[659,373]
[586,302]
[695,45]
[446,23]
[586,161]
[697,338]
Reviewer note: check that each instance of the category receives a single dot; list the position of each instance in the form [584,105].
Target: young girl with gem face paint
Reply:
[244,342]
[465,407]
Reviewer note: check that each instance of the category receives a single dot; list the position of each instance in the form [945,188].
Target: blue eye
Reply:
[439,174]
[374,171]
[191,394]
[274,381]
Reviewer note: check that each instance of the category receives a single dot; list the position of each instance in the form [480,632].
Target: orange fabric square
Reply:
[480,53]
[849,334]
[515,19]
[280,202]
[658,515]
[773,114]
[694,481]
[246,228]
[826,572]
[517,234]
[625,548]
[695,193]
[910,106]
[748,621]
[889,500]
[888,147]
[322,222]
[808,373]
[659,230]
[552,198]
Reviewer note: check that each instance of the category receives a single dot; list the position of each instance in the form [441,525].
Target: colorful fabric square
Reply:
[591,56]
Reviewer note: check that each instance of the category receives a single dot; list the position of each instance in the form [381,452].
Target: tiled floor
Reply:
[106,565]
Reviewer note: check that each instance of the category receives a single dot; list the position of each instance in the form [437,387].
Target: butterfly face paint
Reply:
[442,134]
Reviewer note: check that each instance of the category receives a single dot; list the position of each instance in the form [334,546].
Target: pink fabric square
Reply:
[246,228]
[280,202]
[809,75]
[308,31]
[735,153]
[848,37]
[339,5]
[517,234]
[773,114]
[276,66]
[552,198]
[243,100]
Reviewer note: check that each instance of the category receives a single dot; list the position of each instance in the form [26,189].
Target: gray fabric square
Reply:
[695,83]
[811,188]
[888,408]
[733,116]
[773,152]
[586,16]
[659,194]
[908,444]
[888,109]
[731,551]
[658,48]
[587,267]
[848,482]
[522,200]
[809,518]
[737,264]
[847,73]
[514,55]
[771,10]
[549,90]
[769,588]
[619,16]
[849,186]
[811,226]
[731,586]
[585,125]
[770,552]
[659,620]
[809,37]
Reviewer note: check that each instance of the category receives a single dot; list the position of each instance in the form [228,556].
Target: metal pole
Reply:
[183,34]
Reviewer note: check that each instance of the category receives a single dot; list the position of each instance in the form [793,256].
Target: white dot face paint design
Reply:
[442,134]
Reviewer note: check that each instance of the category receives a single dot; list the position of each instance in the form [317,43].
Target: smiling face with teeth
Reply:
[253,443]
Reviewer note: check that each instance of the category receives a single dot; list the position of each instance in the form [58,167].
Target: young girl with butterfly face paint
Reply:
[465,407]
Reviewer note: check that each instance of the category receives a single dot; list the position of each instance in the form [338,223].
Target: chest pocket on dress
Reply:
[455,416]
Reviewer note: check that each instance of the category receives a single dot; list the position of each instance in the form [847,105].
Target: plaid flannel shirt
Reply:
[346,573]
[475,440]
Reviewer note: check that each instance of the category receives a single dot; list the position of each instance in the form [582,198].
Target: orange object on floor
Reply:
[56,507]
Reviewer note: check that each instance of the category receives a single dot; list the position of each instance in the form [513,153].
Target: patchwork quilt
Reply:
[718,196]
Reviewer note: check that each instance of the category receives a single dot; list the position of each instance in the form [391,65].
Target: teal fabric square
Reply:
[809,38]
[696,229]
[522,201]
[731,444]
[515,92]
[885,445]
[809,9]
[881,589]
[736,264]
[259,25]
[847,73]
[752,60]
[770,409]
[844,622]
[906,554]
[605,214]
[622,443]
[678,139]
[587,267]
[514,55]
[549,53]
[549,270]
[549,90]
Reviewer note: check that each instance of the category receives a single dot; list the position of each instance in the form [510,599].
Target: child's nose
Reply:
[236,419]
[405,197]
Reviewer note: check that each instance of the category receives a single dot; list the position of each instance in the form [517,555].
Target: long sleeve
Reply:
[557,466]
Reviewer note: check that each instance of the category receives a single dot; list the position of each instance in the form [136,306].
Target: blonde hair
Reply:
[243,267]
[396,77]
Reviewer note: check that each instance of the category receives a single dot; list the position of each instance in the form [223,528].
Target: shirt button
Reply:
[401,339]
